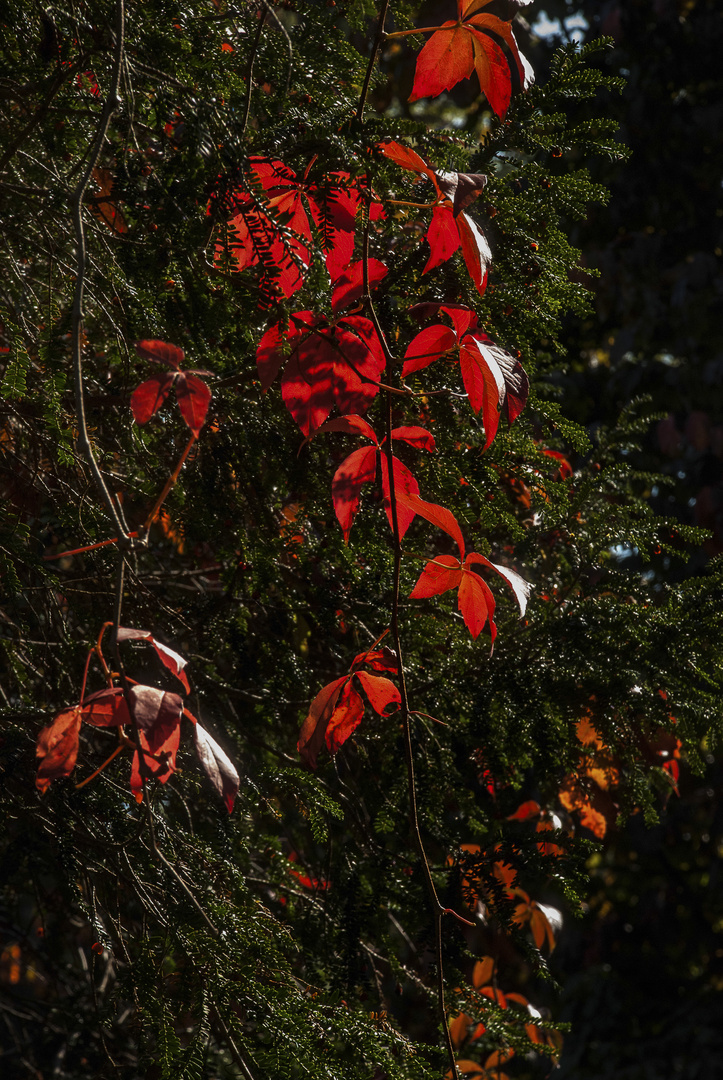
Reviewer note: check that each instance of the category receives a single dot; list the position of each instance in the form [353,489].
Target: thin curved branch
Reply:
[109,108]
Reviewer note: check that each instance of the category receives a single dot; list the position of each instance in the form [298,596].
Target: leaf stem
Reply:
[421,30]
[169,484]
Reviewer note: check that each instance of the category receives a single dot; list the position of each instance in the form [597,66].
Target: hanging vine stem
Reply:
[438,911]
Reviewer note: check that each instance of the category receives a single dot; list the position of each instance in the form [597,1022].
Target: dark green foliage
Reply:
[324,963]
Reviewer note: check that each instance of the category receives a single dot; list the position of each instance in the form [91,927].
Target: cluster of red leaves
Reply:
[360,468]
[325,362]
[270,224]
[152,718]
[445,572]
[450,228]
[338,708]
[472,44]
[192,394]
[494,380]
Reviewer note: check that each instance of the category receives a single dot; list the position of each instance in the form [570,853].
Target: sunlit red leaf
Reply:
[415,436]
[159,753]
[404,484]
[427,346]
[326,364]
[161,353]
[475,250]
[438,515]
[57,747]
[193,397]
[313,730]
[458,48]
[442,236]
[345,718]
[358,469]
[476,603]
[349,286]
[147,398]
[380,692]
[106,708]
[439,576]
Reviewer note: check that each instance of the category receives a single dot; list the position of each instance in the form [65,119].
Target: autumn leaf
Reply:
[450,228]
[338,709]
[192,394]
[467,45]
[495,381]
[57,747]
[216,763]
[360,468]
[170,659]
[104,208]
[323,364]
[475,600]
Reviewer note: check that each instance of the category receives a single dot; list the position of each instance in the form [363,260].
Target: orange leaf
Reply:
[482,971]
[57,747]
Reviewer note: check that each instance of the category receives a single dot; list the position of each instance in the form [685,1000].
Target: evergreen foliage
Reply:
[295,937]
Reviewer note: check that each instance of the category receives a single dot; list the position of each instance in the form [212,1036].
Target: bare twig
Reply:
[109,107]
[376,45]
[250,72]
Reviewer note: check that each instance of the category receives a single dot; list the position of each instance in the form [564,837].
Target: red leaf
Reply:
[459,48]
[170,659]
[218,766]
[415,436]
[349,425]
[102,206]
[329,364]
[439,576]
[159,756]
[437,515]
[463,318]
[404,484]
[525,810]
[106,708]
[345,719]
[476,251]
[147,398]
[426,347]
[484,383]
[349,286]
[160,352]
[359,468]
[193,400]
[380,692]
[565,470]
[476,603]
[442,236]
[461,188]
[519,586]
[383,659]
[157,712]
[333,204]
[408,159]
[313,730]
[57,747]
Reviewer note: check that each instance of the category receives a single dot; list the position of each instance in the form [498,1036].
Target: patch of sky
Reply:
[571,28]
